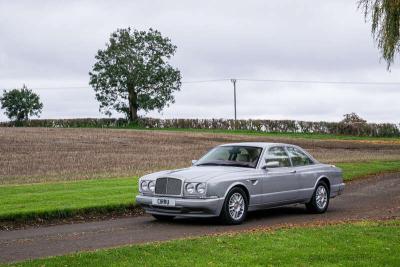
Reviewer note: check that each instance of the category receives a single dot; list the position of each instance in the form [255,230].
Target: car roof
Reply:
[257,144]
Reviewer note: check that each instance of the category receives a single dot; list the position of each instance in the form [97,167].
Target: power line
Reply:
[88,87]
[207,81]
[320,82]
[246,80]
[54,87]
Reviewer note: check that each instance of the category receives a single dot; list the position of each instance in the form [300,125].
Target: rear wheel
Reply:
[235,206]
[164,218]
[320,200]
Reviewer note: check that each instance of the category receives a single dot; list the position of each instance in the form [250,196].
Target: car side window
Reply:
[298,157]
[279,154]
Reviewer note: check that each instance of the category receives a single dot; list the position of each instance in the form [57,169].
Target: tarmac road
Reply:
[373,198]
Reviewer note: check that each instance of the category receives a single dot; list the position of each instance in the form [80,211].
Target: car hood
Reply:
[202,173]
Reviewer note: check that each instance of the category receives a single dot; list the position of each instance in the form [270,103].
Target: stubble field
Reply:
[29,155]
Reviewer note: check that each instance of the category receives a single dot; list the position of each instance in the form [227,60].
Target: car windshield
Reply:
[236,156]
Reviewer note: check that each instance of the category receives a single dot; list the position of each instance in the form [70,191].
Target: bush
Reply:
[278,126]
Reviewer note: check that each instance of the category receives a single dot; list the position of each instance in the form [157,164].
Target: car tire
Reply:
[320,200]
[164,218]
[235,205]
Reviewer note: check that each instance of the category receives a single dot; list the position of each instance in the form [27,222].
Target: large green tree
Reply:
[20,104]
[385,26]
[133,73]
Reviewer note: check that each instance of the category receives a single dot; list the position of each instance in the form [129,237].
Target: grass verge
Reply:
[355,244]
[354,170]
[61,200]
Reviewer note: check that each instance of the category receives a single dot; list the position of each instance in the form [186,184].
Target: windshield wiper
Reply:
[233,164]
[239,165]
[210,164]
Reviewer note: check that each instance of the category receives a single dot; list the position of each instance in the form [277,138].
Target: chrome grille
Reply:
[168,186]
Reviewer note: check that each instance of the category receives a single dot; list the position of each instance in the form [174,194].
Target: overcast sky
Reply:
[50,45]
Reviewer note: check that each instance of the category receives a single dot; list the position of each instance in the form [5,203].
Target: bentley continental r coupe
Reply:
[232,179]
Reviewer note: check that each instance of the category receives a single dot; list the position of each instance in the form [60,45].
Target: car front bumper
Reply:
[337,189]
[184,207]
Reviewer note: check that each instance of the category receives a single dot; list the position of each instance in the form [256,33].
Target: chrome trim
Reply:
[283,192]
[182,185]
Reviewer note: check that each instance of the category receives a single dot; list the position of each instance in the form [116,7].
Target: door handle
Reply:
[294,171]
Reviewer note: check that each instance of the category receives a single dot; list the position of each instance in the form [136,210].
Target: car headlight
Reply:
[151,186]
[195,188]
[143,185]
[190,187]
[201,188]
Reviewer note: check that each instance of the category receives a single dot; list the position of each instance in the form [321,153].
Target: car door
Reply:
[305,169]
[279,184]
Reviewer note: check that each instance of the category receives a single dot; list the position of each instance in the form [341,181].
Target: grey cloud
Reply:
[53,43]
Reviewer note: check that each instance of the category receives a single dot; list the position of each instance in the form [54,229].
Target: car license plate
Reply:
[164,202]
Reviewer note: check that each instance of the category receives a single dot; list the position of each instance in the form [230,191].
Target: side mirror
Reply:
[271,164]
[194,161]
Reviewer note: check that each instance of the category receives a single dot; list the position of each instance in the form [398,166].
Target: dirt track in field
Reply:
[374,198]
[30,155]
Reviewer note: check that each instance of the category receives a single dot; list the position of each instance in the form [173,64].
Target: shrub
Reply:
[278,126]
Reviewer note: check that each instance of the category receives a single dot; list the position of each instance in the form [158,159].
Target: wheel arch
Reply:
[323,179]
[240,185]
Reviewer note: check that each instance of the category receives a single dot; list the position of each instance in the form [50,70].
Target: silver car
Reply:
[232,179]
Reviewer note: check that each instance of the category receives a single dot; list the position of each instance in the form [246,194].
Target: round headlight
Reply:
[190,188]
[201,188]
[143,185]
[151,186]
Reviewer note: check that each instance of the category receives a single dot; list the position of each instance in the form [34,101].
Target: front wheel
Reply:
[235,206]
[320,199]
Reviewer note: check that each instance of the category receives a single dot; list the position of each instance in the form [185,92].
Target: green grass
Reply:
[356,170]
[314,136]
[357,244]
[269,134]
[60,200]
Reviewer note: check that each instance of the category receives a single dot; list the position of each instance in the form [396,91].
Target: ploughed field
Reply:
[29,155]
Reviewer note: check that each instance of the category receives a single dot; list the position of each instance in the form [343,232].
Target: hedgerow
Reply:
[276,126]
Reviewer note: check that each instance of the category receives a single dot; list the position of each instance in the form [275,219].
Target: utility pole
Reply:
[234,97]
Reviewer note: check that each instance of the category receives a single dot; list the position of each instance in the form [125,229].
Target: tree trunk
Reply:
[133,107]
